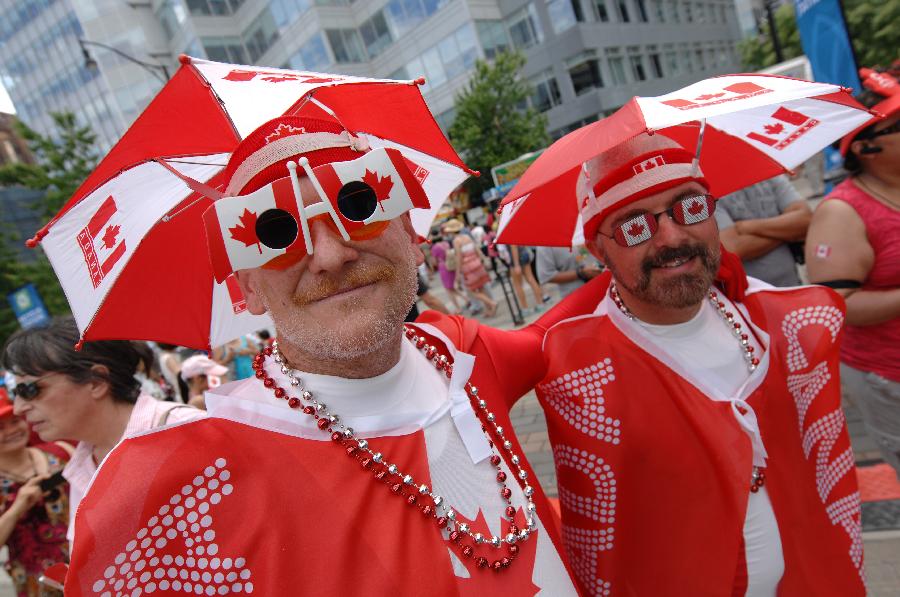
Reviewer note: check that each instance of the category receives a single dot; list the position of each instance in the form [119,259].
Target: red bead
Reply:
[513,529]
[720,304]
[308,409]
[754,488]
[430,352]
[760,477]
[513,550]
[729,314]
[501,477]
[755,361]
[420,343]
[455,536]
[495,460]
[268,382]
[336,437]
[411,499]
[294,402]
[260,374]
[323,424]
[737,325]
[467,551]
[279,392]
[505,562]
[410,333]
[482,562]
[396,487]
[441,521]
[351,450]
[497,565]
[745,337]
[448,371]
[750,349]
[510,511]
[506,493]
[268,351]
[427,510]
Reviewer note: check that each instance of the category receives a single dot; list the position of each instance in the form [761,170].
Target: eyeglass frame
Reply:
[32,386]
[669,211]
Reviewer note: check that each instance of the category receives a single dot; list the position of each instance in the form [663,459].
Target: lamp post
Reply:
[157,70]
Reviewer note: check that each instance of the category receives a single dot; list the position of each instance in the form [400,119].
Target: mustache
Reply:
[667,254]
[330,285]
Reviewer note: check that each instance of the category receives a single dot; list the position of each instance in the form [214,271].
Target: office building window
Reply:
[493,37]
[655,65]
[601,12]
[225,49]
[622,11]
[260,35]
[689,12]
[375,34]
[673,11]
[672,67]
[445,119]
[458,51]
[699,62]
[641,10]
[171,15]
[701,12]
[636,60]
[546,92]
[286,12]
[524,28]
[616,65]
[403,15]
[659,11]
[313,55]
[213,7]
[584,70]
[686,61]
[562,14]
[346,45]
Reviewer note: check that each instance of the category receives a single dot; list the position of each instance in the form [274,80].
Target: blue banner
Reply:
[823,34]
[26,303]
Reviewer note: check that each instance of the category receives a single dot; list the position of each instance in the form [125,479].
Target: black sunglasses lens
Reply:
[357,201]
[276,228]
[26,391]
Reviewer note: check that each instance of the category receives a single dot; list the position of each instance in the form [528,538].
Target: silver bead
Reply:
[478,538]
[511,538]
[744,342]
[407,479]
[307,395]
[523,535]
[490,417]
[392,469]
[499,430]
[507,444]
[451,515]
[284,369]
[438,500]
[295,382]
[363,444]
[482,404]
[423,489]
[320,406]
[443,358]
[752,368]
[463,528]
[532,523]
[530,507]
[515,459]
[529,491]
[348,432]
[473,390]
[376,457]
[333,419]
[277,357]
[523,475]
[495,541]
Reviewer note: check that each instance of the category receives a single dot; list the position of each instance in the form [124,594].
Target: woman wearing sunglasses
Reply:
[853,245]
[34,502]
[90,395]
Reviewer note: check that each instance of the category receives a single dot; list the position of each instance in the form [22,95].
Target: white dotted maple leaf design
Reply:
[176,549]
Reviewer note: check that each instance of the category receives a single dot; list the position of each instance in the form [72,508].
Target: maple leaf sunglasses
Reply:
[639,228]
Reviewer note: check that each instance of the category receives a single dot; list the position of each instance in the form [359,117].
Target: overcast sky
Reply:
[6,104]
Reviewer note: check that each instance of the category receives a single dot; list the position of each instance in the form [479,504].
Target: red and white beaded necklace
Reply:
[431,505]
[758,476]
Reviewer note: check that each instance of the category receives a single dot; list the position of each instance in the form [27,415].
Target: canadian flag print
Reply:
[649,164]
[176,550]
[636,230]
[731,93]
[790,125]
[101,241]
[238,302]
[420,173]
[240,75]
[694,209]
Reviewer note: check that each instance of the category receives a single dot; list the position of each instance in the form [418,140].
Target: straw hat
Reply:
[452,226]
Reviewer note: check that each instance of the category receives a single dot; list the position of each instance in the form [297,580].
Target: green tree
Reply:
[872,26]
[65,160]
[492,124]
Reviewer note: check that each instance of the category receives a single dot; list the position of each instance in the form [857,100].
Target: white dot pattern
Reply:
[578,398]
[825,433]
[827,315]
[804,387]
[172,548]
[846,512]
[583,547]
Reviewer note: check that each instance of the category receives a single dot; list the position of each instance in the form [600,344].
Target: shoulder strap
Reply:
[165,416]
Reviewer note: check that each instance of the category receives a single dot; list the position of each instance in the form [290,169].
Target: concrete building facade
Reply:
[585,57]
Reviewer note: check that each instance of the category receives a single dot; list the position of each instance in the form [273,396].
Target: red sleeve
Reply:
[513,359]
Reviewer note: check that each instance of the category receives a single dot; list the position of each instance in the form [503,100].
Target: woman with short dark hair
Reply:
[90,395]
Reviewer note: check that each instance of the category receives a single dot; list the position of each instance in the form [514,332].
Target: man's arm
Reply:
[837,248]
[745,246]
[790,226]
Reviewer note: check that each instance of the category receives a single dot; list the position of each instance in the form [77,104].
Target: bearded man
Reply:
[696,422]
[364,457]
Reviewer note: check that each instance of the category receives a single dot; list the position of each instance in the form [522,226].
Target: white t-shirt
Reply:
[707,343]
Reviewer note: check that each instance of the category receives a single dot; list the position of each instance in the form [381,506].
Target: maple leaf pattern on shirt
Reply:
[245,231]
[382,186]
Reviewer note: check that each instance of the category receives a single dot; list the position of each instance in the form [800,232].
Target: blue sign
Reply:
[26,303]
[823,34]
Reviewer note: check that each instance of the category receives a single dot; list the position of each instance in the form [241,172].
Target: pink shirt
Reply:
[875,348]
[147,414]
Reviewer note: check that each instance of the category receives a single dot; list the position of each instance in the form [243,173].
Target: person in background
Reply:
[197,371]
[90,395]
[470,267]
[237,355]
[521,269]
[446,257]
[758,224]
[567,268]
[169,367]
[853,246]
[33,522]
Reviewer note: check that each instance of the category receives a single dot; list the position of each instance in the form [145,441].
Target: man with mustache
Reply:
[365,457]
[695,419]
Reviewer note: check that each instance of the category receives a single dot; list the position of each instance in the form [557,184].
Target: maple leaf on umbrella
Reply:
[109,237]
[635,229]
[695,208]
[774,129]
[709,96]
[382,185]
[245,231]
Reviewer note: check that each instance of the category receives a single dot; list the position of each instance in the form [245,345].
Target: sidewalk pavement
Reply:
[882,545]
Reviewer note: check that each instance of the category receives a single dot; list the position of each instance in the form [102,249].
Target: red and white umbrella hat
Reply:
[129,247]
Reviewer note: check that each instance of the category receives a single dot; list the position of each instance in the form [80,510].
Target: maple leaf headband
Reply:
[270,227]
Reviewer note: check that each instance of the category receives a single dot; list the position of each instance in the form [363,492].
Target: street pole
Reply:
[773,32]
[91,63]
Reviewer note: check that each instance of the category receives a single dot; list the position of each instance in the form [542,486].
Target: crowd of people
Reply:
[694,411]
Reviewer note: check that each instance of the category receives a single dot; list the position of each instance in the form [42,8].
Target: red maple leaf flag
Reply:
[694,210]
[635,231]
[709,96]
[109,237]
[382,185]
[774,129]
[245,231]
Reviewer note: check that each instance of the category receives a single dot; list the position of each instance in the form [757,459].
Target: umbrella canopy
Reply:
[129,247]
[753,127]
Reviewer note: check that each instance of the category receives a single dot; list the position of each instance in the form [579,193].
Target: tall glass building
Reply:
[585,57]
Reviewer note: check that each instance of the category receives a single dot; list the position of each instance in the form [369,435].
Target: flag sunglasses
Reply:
[29,390]
[640,228]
